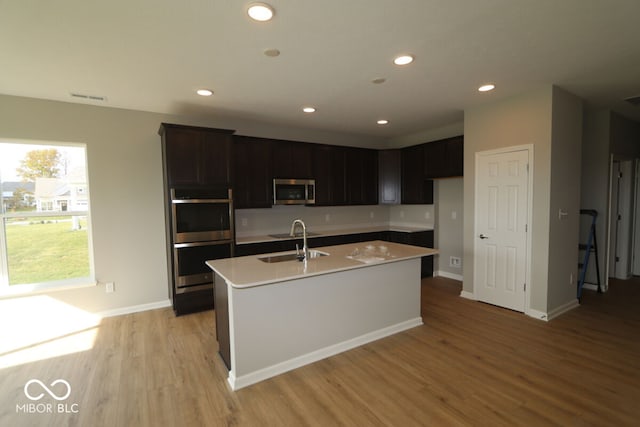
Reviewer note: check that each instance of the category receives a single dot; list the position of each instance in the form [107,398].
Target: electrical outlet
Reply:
[327,218]
[454,214]
[401,214]
[427,215]
[110,287]
[371,214]
[244,222]
[455,261]
[571,279]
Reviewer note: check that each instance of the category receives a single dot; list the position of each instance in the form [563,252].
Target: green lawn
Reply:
[43,252]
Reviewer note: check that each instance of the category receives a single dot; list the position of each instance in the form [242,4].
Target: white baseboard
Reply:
[563,309]
[237,383]
[135,308]
[468,295]
[448,275]
[540,315]
[590,286]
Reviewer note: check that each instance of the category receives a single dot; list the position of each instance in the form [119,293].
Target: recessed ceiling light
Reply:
[272,53]
[487,87]
[309,110]
[260,12]
[204,92]
[403,60]
[383,122]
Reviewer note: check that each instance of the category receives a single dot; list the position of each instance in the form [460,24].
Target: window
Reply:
[45,217]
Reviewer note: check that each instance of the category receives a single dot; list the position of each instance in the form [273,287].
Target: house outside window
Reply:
[45,231]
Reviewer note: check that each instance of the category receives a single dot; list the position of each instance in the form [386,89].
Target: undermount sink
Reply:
[291,257]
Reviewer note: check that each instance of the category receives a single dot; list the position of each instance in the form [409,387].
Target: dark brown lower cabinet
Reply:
[419,238]
[192,302]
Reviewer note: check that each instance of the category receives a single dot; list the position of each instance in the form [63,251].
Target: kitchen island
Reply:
[274,313]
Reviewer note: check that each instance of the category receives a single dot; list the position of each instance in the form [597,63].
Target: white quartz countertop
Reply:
[240,240]
[249,271]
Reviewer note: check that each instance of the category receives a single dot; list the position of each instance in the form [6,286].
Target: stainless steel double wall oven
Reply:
[201,229]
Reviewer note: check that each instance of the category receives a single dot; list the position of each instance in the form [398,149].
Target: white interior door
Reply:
[613,217]
[624,243]
[502,203]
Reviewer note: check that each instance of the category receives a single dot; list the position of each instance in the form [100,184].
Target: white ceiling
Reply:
[152,55]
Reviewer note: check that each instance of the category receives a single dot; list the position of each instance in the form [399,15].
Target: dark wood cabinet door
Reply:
[424,239]
[182,150]
[337,182]
[434,159]
[215,166]
[455,156]
[301,160]
[370,177]
[420,238]
[361,169]
[389,177]
[444,158]
[329,171]
[196,156]
[291,160]
[354,168]
[282,159]
[321,171]
[252,182]
[413,180]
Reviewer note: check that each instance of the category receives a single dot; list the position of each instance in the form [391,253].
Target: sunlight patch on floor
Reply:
[40,327]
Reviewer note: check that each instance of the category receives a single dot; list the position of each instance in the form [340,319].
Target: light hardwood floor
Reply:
[470,364]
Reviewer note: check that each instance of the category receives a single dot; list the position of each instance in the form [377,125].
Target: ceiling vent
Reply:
[634,100]
[86,97]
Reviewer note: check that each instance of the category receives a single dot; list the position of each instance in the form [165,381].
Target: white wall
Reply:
[449,202]
[429,135]
[412,215]
[125,179]
[566,146]
[521,120]
[594,189]
[550,119]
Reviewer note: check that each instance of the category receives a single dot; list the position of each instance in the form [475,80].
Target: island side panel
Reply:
[222,319]
[284,325]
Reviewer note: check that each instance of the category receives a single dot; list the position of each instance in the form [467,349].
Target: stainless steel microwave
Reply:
[294,191]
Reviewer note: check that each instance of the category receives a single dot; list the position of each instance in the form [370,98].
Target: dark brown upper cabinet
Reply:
[416,189]
[329,172]
[389,177]
[444,158]
[361,176]
[252,173]
[196,156]
[291,159]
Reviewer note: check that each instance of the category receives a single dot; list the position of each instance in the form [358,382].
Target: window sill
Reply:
[13,291]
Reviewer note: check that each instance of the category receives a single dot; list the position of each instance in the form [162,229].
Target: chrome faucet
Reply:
[292,233]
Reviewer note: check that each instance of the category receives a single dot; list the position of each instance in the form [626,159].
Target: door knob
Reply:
[482,236]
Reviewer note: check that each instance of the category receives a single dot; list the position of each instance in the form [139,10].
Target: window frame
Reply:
[7,289]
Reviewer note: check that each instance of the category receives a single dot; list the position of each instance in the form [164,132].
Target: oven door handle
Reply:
[194,244]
